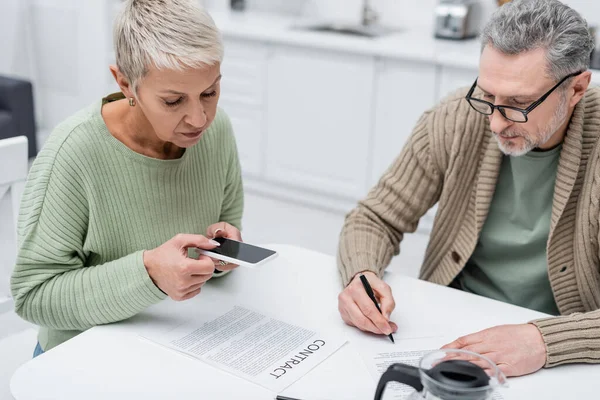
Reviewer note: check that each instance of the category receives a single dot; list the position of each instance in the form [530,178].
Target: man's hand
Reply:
[516,349]
[357,309]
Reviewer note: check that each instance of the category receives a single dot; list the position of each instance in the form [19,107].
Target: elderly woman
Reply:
[124,187]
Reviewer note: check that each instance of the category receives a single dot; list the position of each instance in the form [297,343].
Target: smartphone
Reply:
[240,253]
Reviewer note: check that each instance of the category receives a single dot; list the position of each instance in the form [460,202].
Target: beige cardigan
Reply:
[452,159]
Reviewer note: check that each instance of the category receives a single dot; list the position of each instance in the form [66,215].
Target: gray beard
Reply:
[542,137]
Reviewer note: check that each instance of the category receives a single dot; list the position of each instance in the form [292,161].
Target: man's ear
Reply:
[580,85]
[122,81]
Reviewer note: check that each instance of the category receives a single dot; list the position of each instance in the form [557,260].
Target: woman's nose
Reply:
[196,117]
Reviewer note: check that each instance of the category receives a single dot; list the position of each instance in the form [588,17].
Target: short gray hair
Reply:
[166,34]
[524,25]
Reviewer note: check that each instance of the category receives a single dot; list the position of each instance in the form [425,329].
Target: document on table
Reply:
[246,343]
[410,351]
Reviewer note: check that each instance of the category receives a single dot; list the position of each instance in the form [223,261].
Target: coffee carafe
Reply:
[447,375]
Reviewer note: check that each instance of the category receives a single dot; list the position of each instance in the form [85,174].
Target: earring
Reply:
[132,102]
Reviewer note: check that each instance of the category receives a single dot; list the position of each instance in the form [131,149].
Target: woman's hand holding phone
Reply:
[232,250]
[173,272]
[224,230]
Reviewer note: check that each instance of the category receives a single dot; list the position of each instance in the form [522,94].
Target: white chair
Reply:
[13,174]
[17,337]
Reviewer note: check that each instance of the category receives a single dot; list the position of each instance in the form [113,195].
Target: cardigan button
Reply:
[456,257]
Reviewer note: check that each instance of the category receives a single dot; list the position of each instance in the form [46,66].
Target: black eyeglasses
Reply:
[514,114]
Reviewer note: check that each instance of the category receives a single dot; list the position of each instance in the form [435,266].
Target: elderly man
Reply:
[514,164]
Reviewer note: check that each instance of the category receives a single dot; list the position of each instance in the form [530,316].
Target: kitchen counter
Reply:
[415,44]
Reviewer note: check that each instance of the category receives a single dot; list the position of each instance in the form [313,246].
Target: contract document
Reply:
[249,344]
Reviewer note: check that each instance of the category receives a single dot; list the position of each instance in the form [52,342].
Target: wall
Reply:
[15,46]
[62,46]
[34,46]
[411,13]
[17,54]
[590,9]
[400,13]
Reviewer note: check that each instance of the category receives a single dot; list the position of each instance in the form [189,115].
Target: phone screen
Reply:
[241,251]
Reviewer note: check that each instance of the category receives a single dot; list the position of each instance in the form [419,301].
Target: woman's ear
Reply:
[122,81]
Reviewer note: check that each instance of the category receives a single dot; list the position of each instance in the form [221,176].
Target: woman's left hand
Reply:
[223,229]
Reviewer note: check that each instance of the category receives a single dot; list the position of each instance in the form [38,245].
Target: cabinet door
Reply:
[405,90]
[453,78]
[319,120]
[242,98]
[248,127]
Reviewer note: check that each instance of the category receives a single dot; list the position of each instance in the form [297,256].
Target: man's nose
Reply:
[498,123]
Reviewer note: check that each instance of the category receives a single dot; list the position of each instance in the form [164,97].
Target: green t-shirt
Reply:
[509,263]
[92,205]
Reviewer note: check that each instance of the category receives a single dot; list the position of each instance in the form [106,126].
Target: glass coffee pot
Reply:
[445,375]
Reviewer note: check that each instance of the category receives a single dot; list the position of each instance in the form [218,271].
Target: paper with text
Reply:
[246,343]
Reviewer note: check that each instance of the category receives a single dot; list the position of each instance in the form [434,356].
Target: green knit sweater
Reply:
[92,206]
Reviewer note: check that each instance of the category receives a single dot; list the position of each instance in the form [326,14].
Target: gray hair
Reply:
[524,25]
[166,34]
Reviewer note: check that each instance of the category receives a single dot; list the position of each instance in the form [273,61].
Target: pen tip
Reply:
[392,338]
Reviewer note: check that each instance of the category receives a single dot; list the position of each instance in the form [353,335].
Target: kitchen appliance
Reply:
[445,375]
[238,5]
[458,19]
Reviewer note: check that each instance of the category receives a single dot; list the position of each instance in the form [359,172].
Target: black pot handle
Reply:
[402,373]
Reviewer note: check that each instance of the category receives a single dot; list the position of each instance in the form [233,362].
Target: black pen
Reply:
[369,290]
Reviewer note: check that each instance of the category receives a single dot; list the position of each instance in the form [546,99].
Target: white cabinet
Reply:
[243,89]
[405,89]
[319,120]
[453,78]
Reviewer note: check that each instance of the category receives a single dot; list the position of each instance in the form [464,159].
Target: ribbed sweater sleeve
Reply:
[571,338]
[51,285]
[233,201]
[372,232]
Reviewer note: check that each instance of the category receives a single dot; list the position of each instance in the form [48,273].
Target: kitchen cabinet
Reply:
[452,78]
[405,89]
[243,92]
[319,120]
[320,127]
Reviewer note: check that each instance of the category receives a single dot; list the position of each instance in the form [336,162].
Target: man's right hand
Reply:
[357,309]
[173,272]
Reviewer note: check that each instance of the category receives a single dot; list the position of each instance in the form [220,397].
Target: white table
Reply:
[113,362]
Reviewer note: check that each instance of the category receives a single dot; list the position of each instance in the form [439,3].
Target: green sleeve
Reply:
[51,284]
[233,202]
